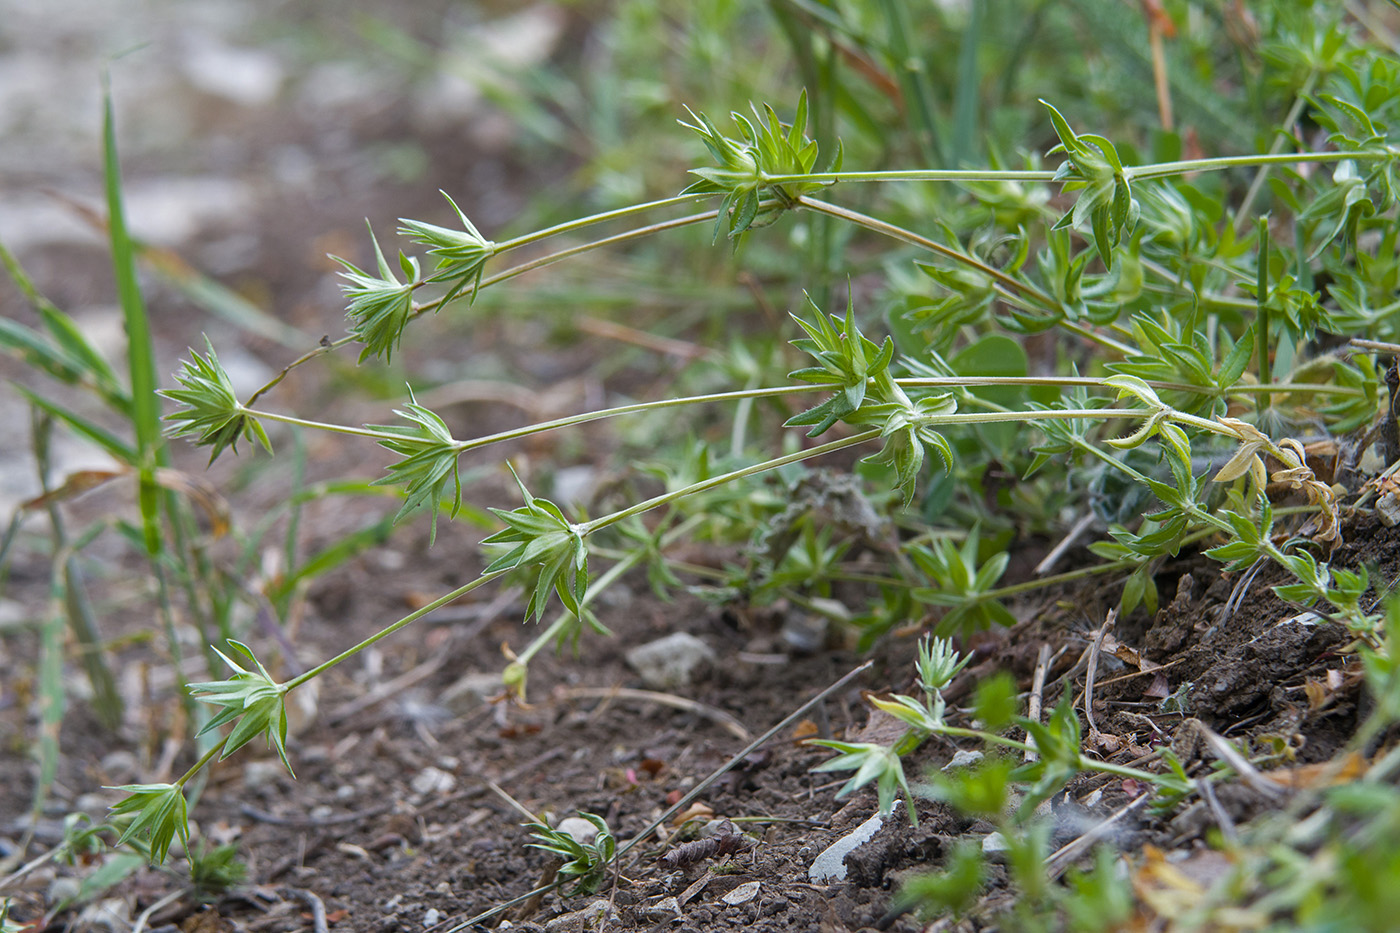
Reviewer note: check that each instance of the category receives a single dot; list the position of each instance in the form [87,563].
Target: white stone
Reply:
[963,758]
[432,780]
[578,829]
[743,893]
[248,77]
[673,662]
[258,774]
[830,865]
[431,916]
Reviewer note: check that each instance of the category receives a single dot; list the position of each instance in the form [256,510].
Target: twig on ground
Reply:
[145,915]
[388,688]
[1222,819]
[1048,562]
[514,804]
[735,727]
[1037,699]
[685,801]
[1092,669]
[318,908]
[1068,853]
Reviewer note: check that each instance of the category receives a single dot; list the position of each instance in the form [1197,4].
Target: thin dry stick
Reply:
[749,749]
[1058,551]
[735,727]
[1037,700]
[389,688]
[1222,819]
[1092,669]
[318,908]
[514,804]
[1067,854]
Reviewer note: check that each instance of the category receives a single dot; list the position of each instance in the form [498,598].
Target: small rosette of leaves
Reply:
[429,462]
[937,664]
[539,535]
[461,254]
[845,358]
[253,699]
[871,762]
[906,426]
[380,305]
[961,585]
[158,812]
[211,412]
[768,148]
[1107,202]
[587,863]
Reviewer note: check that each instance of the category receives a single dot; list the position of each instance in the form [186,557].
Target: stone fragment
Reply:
[432,781]
[1388,509]
[830,865]
[663,910]
[742,894]
[579,829]
[673,662]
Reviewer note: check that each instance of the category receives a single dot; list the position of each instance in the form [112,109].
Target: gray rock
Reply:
[673,662]
[580,921]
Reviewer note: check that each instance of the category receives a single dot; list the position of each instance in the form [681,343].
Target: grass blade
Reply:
[145,406]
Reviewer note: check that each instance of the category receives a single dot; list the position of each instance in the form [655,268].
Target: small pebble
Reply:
[579,829]
[743,893]
[673,662]
[431,917]
[432,780]
[663,910]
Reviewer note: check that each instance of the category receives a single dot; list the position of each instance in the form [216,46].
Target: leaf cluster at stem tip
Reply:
[767,147]
[538,534]
[253,698]
[210,412]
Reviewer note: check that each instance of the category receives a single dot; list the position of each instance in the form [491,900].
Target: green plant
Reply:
[586,865]
[1172,325]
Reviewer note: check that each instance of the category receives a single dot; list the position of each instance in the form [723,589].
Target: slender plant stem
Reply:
[596,587]
[724,479]
[604,217]
[385,633]
[911,175]
[204,759]
[1188,166]
[1132,172]
[914,239]
[1257,184]
[548,259]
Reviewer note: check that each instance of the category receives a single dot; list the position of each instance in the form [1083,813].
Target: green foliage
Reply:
[767,148]
[954,889]
[961,583]
[538,535]
[158,814]
[461,254]
[587,864]
[214,870]
[253,699]
[211,414]
[380,306]
[429,462]
[1106,201]
[1198,323]
[871,762]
